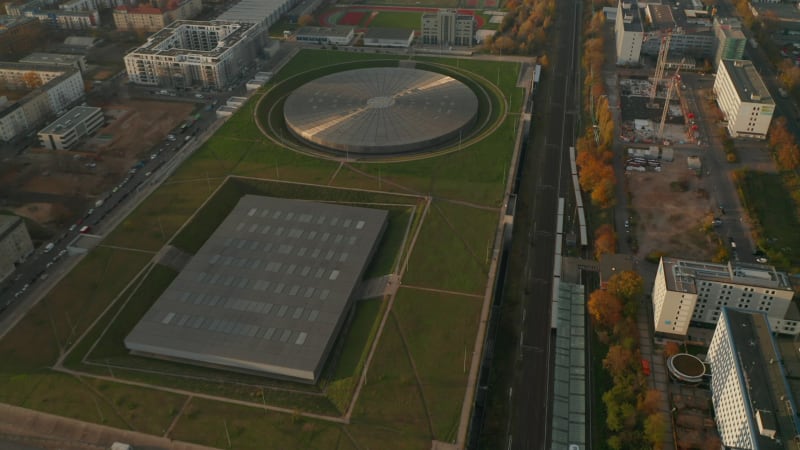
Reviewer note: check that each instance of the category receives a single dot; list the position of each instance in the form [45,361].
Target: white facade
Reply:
[743,99]
[753,404]
[15,244]
[185,53]
[448,27]
[69,128]
[57,90]
[629,33]
[325,35]
[388,37]
[263,13]
[689,291]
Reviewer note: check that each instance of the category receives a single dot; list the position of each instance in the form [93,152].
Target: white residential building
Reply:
[186,53]
[753,405]
[50,90]
[690,291]
[448,27]
[629,33]
[743,99]
[65,131]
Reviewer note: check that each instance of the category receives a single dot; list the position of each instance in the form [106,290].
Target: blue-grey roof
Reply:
[268,291]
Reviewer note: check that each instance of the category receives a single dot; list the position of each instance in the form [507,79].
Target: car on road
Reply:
[732,242]
[90,212]
[716,222]
[73,226]
[762,260]
[85,229]
[153,156]
[171,137]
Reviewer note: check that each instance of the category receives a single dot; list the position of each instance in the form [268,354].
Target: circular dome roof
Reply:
[381,111]
[686,367]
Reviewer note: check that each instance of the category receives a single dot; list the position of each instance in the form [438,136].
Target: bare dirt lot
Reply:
[669,210]
[53,187]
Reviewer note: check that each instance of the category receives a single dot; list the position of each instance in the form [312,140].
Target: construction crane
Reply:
[676,79]
[663,51]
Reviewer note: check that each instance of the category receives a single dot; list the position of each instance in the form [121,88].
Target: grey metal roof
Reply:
[268,291]
[388,33]
[758,361]
[381,111]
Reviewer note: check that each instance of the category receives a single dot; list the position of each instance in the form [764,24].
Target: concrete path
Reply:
[50,431]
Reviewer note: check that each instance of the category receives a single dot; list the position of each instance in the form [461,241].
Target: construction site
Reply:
[655,109]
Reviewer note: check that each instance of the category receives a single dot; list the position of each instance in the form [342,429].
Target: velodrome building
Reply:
[268,292]
[186,53]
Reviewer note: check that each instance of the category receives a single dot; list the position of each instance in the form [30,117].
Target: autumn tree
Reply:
[605,241]
[31,80]
[306,20]
[627,285]
[655,429]
[620,403]
[605,308]
[618,360]
[789,75]
[671,349]
[650,401]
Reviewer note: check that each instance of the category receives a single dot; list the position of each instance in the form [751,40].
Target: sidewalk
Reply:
[50,431]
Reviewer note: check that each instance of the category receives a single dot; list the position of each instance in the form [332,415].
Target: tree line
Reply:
[632,410]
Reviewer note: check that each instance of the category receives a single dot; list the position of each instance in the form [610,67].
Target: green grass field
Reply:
[416,381]
[396,19]
[767,201]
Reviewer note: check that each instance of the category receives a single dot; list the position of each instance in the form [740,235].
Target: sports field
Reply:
[66,357]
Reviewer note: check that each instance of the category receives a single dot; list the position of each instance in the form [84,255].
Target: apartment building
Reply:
[56,60]
[629,32]
[753,404]
[49,90]
[686,292]
[448,27]
[743,98]
[149,18]
[186,53]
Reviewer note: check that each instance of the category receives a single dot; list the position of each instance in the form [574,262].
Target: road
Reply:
[542,183]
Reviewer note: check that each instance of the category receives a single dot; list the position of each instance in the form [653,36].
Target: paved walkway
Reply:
[50,431]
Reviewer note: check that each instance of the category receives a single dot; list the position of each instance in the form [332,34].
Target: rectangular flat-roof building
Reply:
[753,406]
[629,33]
[691,291]
[744,99]
[388,37]
[325,35]
[269,290]
[65,131]
[56,59]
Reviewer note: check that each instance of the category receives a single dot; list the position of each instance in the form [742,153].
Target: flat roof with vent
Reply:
[747,82]
[69,119]
[268,291]
[770,405]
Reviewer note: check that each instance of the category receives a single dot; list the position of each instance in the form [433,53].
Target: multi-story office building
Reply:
[186,53]
[629,32]
[686,292]
[50,90]
[753,405]
[15,244]
[57,60]
[448,27]
[151,18]
[730,41]
[688,23]
[743,99]
[69,128]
